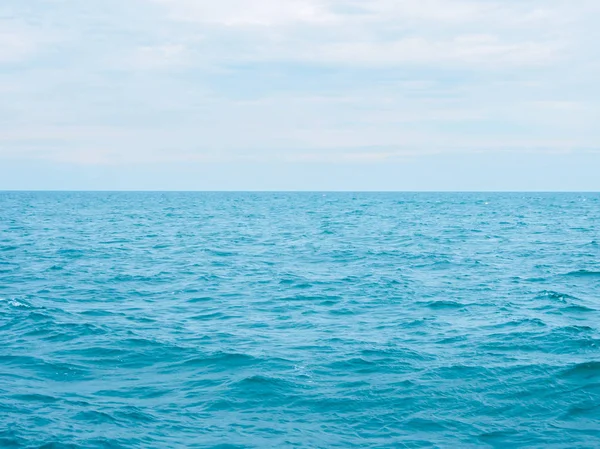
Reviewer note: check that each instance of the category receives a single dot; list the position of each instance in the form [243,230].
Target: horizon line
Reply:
[281,191]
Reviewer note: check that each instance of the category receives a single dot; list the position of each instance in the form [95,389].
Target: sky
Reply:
[299,95]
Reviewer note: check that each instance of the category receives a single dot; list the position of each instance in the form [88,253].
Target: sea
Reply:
[299,320]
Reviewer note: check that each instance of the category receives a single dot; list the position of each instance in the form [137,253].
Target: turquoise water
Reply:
[255,320]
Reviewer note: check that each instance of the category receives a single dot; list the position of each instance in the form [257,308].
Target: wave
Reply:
[222,360]
[587,370]
[445,304]
[584,273]
[556,296]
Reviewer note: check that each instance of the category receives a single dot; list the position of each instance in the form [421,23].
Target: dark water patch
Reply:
[210,316]
[444,304]
[302,285]
[200,299]
[394,353]
[138,353]
[71,253]
[109,443]
[228,446]
[499,437]
[457,339]
[579,309]
[575,330]
[589,409]
[534,323]
[585,370]
[584,274]
[222,361]
[131,278]
[41,368]
[36,398]
[60,445]
[56,268]
[11,439]
[355,365]
[138,392]
[342,312]
[220,253]
[425,425]
[322,299]
[100,313]
[458,372]
[259,388]
[135,415]
[95,417]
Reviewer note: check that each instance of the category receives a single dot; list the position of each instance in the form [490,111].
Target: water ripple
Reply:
[251,320]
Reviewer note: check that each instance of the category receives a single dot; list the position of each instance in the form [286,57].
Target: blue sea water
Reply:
[313,320]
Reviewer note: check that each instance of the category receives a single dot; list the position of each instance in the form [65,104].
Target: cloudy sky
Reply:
[300,94]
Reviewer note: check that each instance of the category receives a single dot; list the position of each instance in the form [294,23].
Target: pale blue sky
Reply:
[300,94]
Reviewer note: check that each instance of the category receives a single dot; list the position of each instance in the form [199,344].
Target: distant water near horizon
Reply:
[309,320]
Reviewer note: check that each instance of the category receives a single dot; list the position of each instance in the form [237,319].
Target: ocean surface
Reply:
[309,320]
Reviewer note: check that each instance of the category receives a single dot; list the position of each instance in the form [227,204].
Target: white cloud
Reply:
[158,56]
[370,81]
[378,32]
[481,50]
[243,13]
[275,13]
[15,44]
